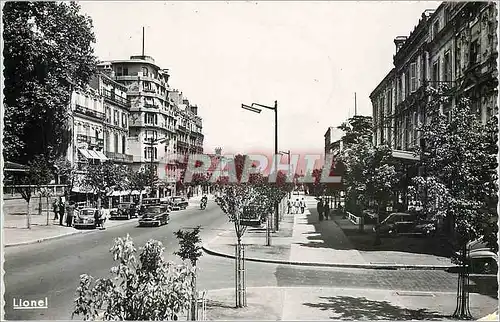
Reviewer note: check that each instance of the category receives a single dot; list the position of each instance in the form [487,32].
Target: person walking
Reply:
[61,212]
[302,206]
[70,214]
[289,204]
[55,209]
[296,206]
[326,209]
[319,207]
[103,216]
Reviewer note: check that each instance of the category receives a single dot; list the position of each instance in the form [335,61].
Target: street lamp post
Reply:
[151,143]
[289,169]
[254,109]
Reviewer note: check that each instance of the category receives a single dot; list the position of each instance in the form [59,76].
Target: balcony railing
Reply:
[149,90]
[90,140]
[115,98]
[147,105]
[87,111]
[120,157]
[182,128]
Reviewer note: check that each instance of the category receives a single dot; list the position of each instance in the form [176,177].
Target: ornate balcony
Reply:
[88,112]
[107,94]
[119,157]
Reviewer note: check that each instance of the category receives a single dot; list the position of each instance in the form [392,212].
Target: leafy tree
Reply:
[139,180]
[67,173]
[39,173]
[460,162]
[102,178]
[144,288]
[191,250]
[48,49]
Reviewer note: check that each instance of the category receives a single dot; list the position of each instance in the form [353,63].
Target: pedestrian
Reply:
[103,216]
[319,207]
[70,214]
[289,204]
[302,206]
[296,206]
[326,209]
[55,209]
[61,212]
[97,218]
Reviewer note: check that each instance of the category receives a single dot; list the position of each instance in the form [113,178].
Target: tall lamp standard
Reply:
[289,169]
[274,108]
[151,142]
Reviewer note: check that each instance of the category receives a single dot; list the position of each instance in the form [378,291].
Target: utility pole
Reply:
[276,207]
[355,106]
[143,41]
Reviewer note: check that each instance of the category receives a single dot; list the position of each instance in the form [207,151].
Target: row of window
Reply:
[116,118]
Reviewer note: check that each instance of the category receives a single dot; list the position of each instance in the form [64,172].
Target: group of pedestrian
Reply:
[323,208]
[296,205]
[64,211]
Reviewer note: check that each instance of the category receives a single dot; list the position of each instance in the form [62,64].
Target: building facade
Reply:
[160,119]
[455,45]
[116,118]
[87,122]
[333,141]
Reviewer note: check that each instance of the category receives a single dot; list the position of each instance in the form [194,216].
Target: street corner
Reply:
[262,304]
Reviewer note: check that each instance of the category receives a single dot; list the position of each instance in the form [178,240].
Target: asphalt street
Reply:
[51,269]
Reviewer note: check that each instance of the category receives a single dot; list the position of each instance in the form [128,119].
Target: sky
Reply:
[309,56]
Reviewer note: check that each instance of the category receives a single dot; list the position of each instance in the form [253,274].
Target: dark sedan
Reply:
[179,203]
[400,223]
[154,216]
[124,211]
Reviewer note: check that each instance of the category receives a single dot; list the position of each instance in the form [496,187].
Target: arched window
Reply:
[144,71]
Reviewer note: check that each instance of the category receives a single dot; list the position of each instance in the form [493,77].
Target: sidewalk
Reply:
[304,240]
[308,303]
[15,232]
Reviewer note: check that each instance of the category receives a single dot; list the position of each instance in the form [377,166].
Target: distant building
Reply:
[456,44]
[333,141]
[163,124]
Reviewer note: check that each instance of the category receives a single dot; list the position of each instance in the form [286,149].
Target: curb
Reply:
[40,240]
[341,265]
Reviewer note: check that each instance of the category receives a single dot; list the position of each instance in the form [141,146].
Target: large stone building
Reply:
[87,121]
[456,44]
[162,122]
[116,118]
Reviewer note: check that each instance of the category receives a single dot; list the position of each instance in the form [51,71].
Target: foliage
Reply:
[47,50]
[369,173]
[67,172]
[460,161]
[189,242]
[146,289]
[39,173]
[102,178]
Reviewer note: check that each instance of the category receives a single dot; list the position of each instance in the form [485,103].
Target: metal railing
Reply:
[87,111]
[119,156]
[115,98]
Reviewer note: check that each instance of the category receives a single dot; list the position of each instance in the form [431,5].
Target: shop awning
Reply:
[405,155]
[91,154]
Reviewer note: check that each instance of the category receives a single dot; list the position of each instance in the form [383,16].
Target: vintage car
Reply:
[156,215]
[84,217]
[400,223]
[178,203]
[124,211]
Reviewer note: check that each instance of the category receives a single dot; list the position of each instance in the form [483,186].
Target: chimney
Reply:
[399,42]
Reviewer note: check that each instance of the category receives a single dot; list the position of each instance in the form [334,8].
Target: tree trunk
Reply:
[378,241]
[40,204]
[28,216]
[462,311]
[194,300]
[47,211]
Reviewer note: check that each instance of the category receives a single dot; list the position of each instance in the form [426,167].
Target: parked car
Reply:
[179,203]
[400,223]
[85,218]
[481,259]
[156,215]
[124,211]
